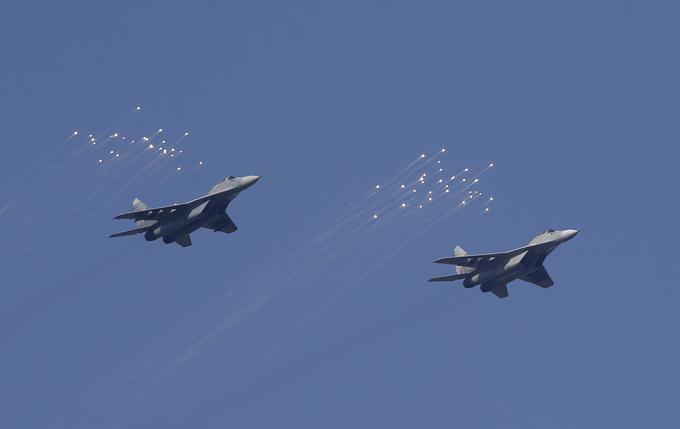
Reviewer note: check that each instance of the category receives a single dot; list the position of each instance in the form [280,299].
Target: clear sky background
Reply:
[575,102]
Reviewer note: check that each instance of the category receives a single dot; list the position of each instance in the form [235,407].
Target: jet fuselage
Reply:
[492,272]
[175,223]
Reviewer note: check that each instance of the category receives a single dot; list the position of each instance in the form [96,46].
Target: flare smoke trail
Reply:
[335,261]
[89,170]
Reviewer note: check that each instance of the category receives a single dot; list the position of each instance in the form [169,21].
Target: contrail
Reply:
[334,258]
[381,189]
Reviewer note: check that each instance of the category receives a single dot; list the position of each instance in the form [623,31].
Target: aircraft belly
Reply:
[513,275]
[502,276]
[168,228]
[192,226]
[497,275]
[173,228]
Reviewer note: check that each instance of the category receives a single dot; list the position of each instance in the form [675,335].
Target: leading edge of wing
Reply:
[483,258]
[473,260]
[154,213]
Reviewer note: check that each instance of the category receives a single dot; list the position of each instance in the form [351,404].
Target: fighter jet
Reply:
[493,271]
[174,223]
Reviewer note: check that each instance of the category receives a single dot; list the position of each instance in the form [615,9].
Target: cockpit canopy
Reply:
[549,231]
[228,178]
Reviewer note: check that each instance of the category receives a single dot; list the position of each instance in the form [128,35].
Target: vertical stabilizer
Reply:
[459,251]
[139,206]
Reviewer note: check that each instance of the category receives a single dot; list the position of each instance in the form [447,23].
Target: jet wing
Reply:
[222,224]
[485,259]
[539,277]
[157,212]
[481,259]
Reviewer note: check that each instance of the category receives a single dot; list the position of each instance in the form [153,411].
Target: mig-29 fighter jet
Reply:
[493,271]
[175,223]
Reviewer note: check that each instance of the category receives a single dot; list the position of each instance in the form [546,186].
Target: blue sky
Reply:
[576,104]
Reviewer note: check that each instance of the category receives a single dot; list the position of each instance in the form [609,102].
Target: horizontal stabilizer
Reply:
[452,278]
[131,232]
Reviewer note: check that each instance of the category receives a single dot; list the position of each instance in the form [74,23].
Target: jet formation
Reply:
[175,223]
[493,271]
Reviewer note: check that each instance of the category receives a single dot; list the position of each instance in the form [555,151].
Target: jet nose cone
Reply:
[250,180]
[569,234]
